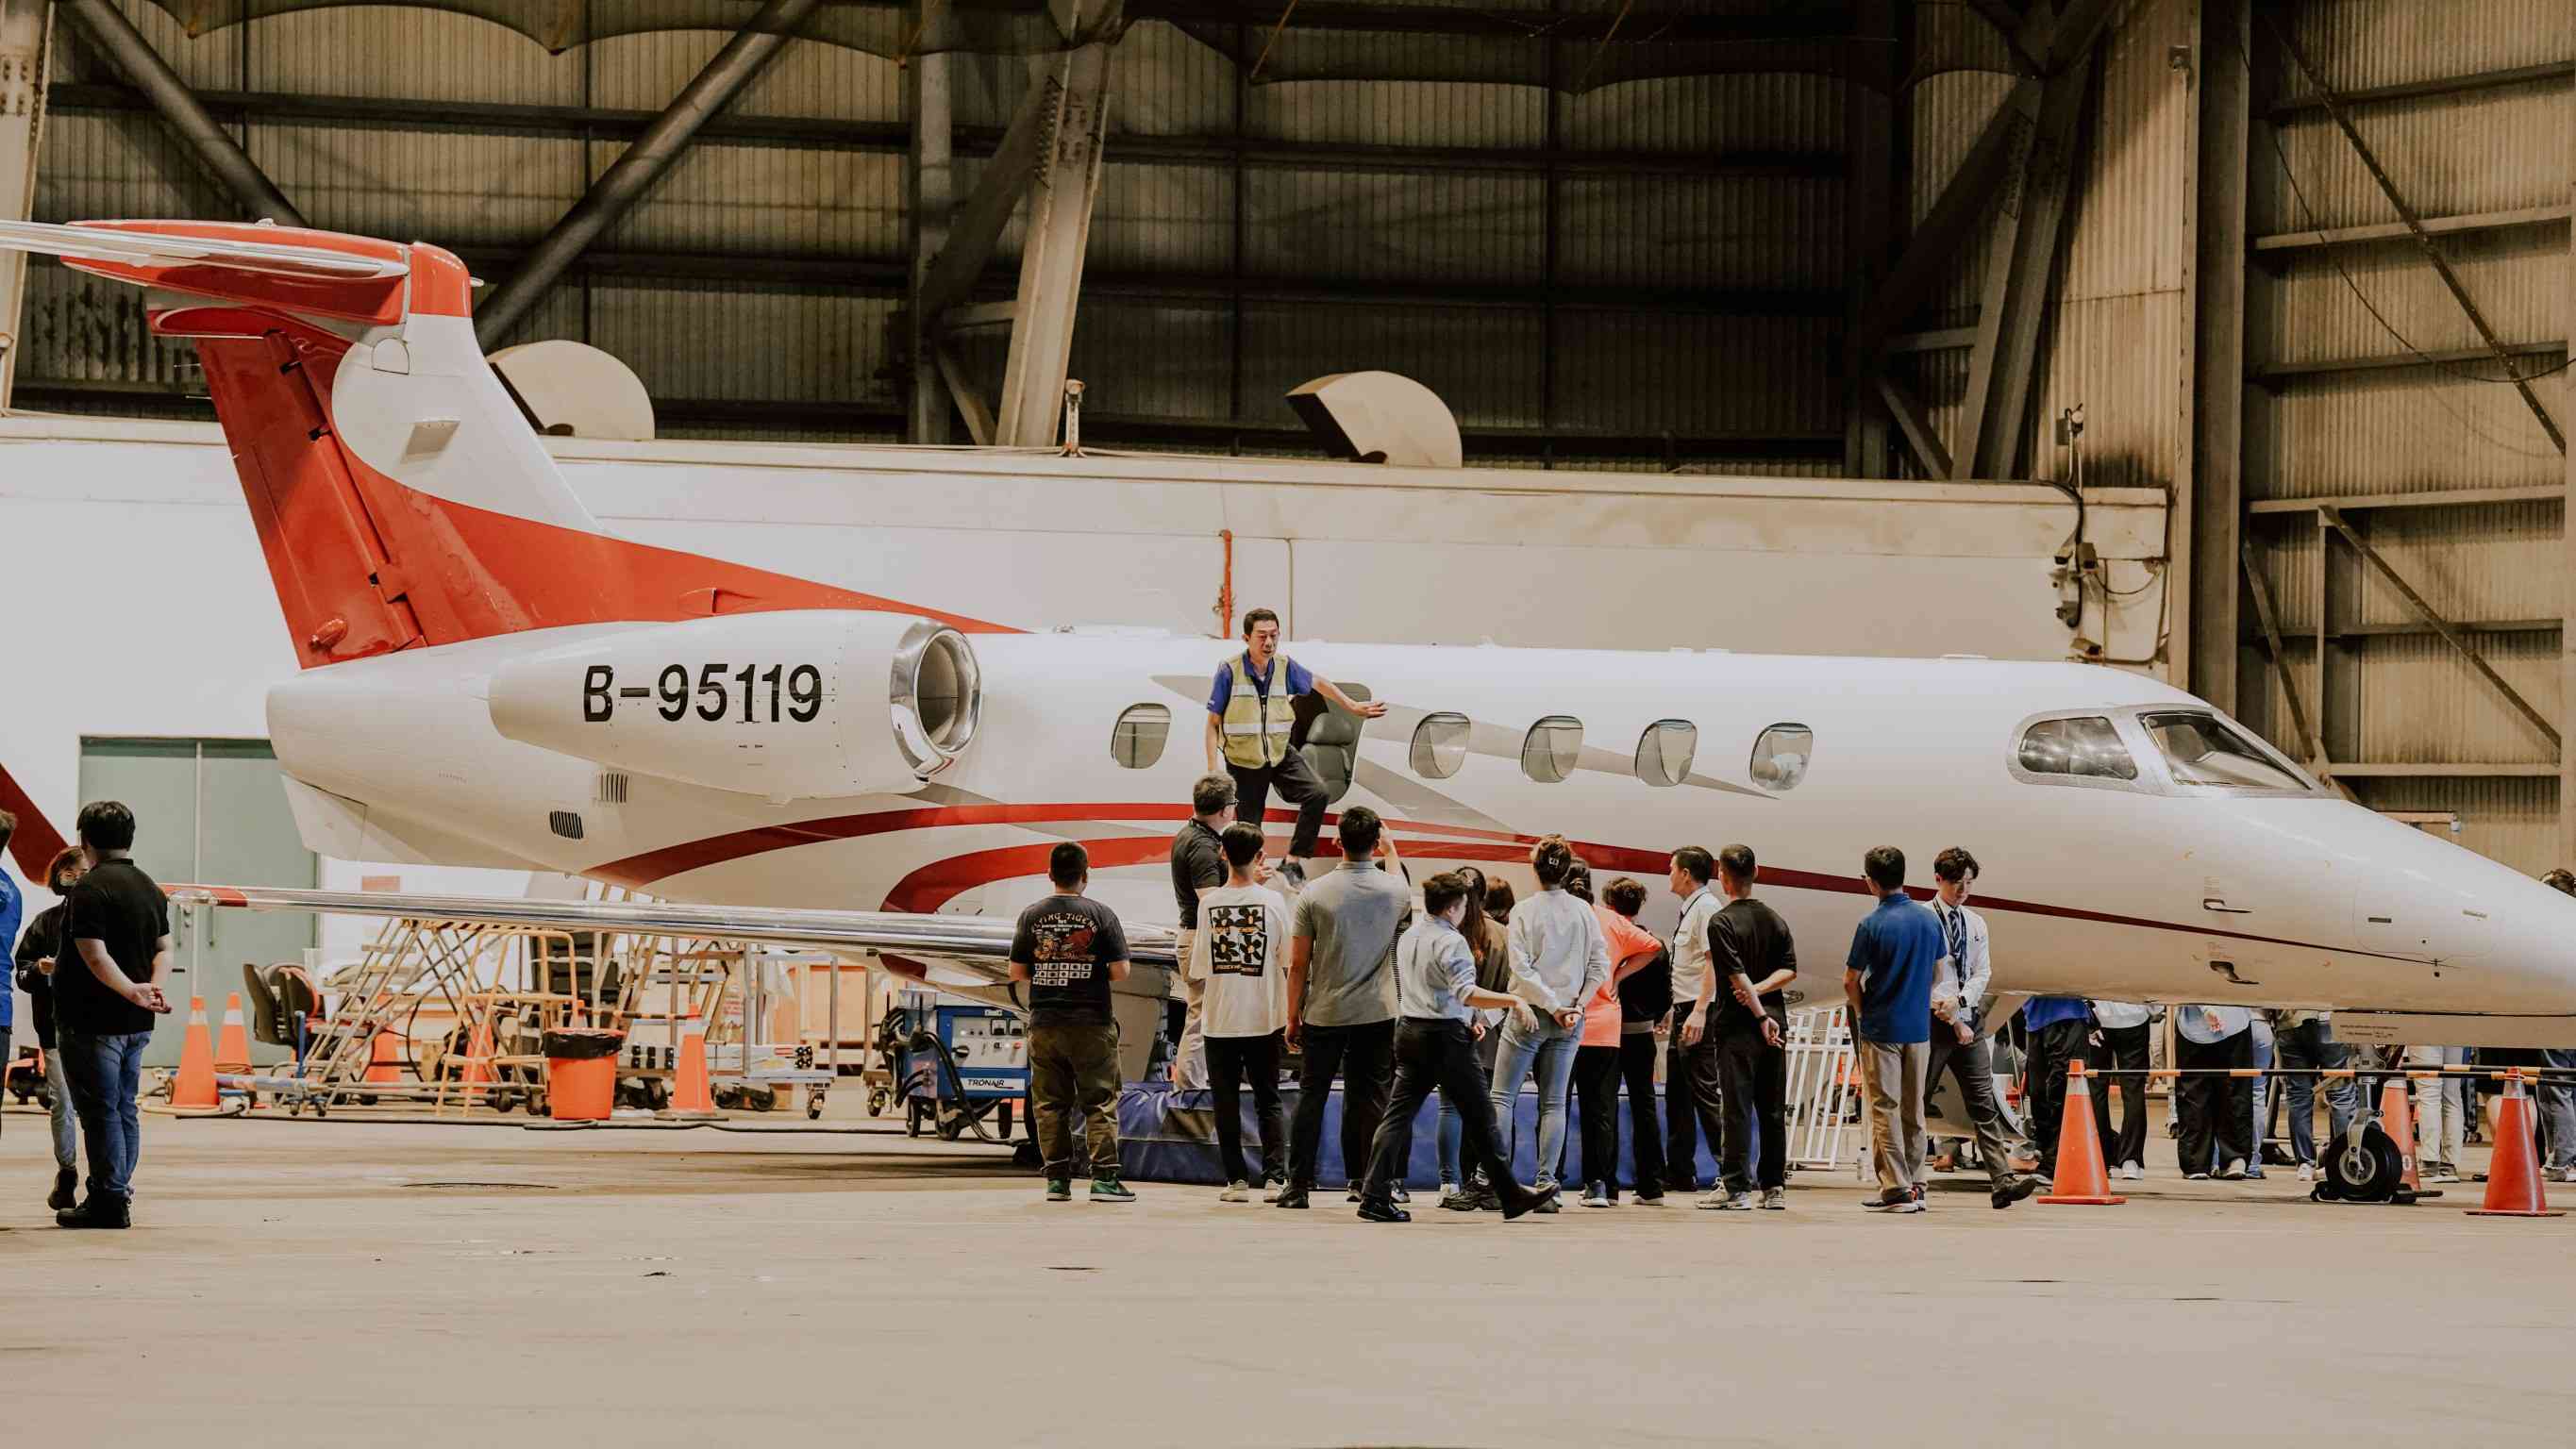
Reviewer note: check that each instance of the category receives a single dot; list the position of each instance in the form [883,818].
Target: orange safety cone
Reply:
[195,1089]
[691,1095]
[2397,1119]
[384,1060]
[2082,1178]
[2513,1173]
[232,1046]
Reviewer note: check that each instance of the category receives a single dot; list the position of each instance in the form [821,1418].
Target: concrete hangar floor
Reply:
[349,1282]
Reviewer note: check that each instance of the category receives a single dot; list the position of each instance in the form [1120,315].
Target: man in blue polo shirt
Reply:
[1887,982]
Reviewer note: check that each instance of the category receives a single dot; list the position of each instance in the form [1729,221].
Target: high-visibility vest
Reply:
[1256,724]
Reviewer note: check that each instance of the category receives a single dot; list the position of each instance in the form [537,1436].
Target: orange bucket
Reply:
[581,1074]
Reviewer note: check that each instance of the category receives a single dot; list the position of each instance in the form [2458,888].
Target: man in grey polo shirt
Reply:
[1341,1001]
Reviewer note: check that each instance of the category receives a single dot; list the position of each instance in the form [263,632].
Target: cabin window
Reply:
[1780,757]
[1439,745]
[1138,739]
[2087,747]
[1554,744]
[1664,752]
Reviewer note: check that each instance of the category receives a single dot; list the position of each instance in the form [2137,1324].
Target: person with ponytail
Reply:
[1558,961]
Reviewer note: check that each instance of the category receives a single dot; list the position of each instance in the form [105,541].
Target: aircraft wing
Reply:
[979,943]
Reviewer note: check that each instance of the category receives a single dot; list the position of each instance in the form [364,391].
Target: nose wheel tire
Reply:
[2361,1167]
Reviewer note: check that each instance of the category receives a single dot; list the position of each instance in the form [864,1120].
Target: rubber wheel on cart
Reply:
[952,1127]
[2367,1171]
[536,1104]
[878,1100]
[814,1107]
[657,1093]
[1006,1121]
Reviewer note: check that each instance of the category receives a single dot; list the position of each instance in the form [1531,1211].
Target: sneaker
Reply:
[1545,1199]
[1465,1202]
[1373,1211]
[1722,1201]
[2307,1172]
[1918,1192]
[2446,1173]
[1650,1197]
[2234,1171]
[1059,1189]
[1110,1189]
[1401,1196]
[1775,1199]
[1915,1206]
[1236,1191]
[1355,1191]
[2132,1171]
[67,1189]
[1449,1192]
[1293,871]
[2563,1174]
[1597,1196]
[1291,1197]
[95,1214]
[1271,1187]
[2014,1189]
[1879,1202]
[2195,1177]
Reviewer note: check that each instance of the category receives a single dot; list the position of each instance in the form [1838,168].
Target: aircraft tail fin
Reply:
[401,496]
[35,843]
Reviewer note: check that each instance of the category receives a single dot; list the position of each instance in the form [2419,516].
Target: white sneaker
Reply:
[1237,1191]
[1449,1190]
[2307,1172]
[2234,1171]
[2195,1177]
[2447,1173]
[2132,1171]
[1272,1187]
[1776,1199]
[1597,1196]
[1726,1202]
[2564,1174]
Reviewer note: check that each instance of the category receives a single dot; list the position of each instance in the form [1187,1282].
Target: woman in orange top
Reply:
[1596,1059]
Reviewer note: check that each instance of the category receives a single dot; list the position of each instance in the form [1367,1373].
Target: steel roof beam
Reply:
[644,162]
[105,26]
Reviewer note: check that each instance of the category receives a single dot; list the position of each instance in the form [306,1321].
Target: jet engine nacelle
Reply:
[794,705]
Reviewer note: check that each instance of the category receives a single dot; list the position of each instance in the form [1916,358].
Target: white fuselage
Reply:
[2143,891]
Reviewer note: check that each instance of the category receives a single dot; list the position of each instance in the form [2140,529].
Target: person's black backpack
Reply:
[1648,995]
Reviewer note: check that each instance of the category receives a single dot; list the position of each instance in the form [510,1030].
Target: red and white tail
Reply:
[401,496]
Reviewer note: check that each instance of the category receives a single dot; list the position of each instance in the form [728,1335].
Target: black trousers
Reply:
[1230,1059]
[2052,1047]
[2124,1049]
[1429,1056]
[1364,1056]
[2215,1111]
[1691,1092]
[1596,1088]
[1295,781]
[1753,1085]
[1645,1129]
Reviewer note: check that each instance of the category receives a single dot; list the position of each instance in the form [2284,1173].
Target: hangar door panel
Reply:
[209,811]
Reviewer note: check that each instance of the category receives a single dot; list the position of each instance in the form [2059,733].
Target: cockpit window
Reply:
[2200,749]
[2086,747]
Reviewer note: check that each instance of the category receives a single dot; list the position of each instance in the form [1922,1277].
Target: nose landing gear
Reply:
[2363,1165]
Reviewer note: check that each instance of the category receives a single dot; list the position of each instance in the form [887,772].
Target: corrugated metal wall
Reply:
[752,357]
[2361,412]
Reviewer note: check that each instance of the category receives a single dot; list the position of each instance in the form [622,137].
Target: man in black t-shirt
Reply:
[107,990]
[1753,960]
[1198,866]
[1069,949]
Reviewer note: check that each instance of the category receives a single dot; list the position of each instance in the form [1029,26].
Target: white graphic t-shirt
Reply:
[1241,952]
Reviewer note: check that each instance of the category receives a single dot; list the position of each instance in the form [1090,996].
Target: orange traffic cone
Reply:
[2397,1119]
[690,1094]
[232,1046]
[195,1089]
[384,1060]
[2513,1173]
[2082,1179]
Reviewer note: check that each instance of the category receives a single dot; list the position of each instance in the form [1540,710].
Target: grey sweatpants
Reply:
[1893,1074]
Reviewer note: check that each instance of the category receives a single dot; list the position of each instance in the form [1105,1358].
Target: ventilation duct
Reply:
[1379,417]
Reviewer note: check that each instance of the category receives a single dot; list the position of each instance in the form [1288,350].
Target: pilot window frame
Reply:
[1120,730]
[1659,777]
[2145,779]
[1553,723]
[2307,784]
[1758,752]
[1421,752]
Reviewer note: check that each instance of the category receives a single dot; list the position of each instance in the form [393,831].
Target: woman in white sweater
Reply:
[1559,960]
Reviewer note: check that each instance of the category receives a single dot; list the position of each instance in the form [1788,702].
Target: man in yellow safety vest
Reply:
[1251,711]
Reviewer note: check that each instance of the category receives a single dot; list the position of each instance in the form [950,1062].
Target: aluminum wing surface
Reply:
[979,943]
[120,246]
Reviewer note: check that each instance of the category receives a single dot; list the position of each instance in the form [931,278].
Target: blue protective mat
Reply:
[1170,1136]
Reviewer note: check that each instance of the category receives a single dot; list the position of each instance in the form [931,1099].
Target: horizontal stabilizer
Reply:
[120,245]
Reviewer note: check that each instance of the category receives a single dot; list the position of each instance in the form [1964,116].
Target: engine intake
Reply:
[795,705]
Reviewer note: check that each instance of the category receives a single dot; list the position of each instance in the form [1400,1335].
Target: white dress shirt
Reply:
[1962,981]
[1691,968]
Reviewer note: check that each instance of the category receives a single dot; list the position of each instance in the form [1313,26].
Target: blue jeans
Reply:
[2558,1110]
[66,1121]
[106,1070]
[2311,1044]
[1551,1050]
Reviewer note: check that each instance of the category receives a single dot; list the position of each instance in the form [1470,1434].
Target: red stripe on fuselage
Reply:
[944,880]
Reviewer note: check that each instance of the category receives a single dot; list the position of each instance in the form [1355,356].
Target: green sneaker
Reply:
[1059,1189]
[1110,1189]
